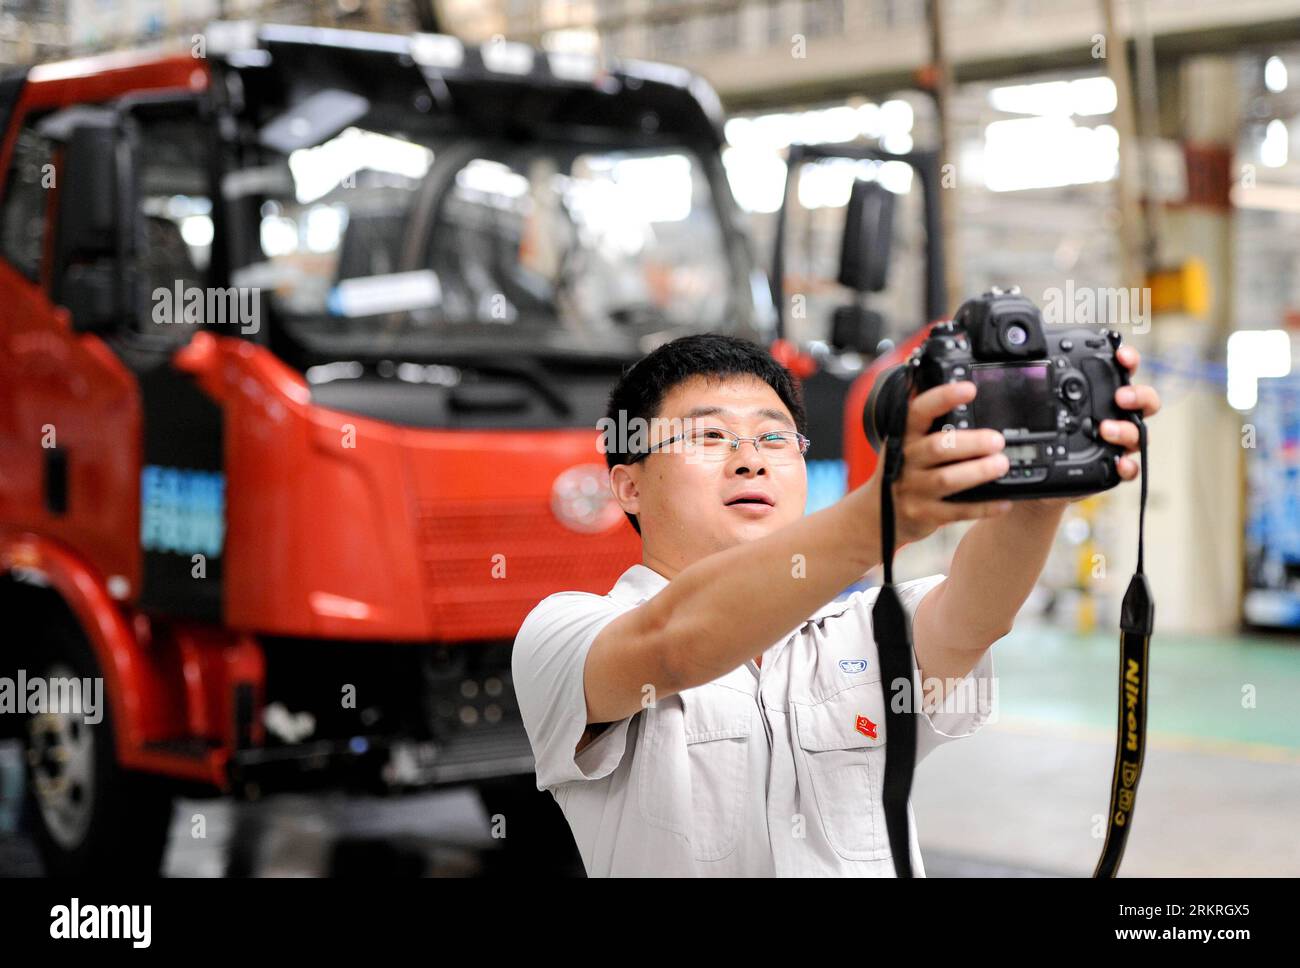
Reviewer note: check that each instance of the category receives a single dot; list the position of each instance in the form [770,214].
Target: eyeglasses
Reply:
[716,444]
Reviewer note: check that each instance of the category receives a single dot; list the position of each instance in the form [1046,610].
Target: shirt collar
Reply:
[640,583]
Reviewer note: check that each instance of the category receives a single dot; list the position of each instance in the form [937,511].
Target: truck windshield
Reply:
[385,239]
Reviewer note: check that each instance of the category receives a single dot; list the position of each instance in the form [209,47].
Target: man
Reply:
[719,712]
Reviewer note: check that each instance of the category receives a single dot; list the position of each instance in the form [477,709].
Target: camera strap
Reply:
[892,630]
[1136,622]
[893,633]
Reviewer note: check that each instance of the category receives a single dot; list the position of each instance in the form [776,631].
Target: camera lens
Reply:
[888,394]
[1016,334]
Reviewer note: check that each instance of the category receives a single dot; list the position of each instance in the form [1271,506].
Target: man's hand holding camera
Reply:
[941,463]
[1138,397]
[999,559]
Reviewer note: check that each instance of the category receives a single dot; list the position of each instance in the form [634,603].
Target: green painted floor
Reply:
[1204,690]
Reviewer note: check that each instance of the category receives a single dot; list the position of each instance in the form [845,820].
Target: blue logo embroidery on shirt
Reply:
[853,666]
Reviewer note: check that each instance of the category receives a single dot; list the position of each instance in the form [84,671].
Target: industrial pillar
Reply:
[1194,517]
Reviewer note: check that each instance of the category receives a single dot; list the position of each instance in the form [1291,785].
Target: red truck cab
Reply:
[305,337]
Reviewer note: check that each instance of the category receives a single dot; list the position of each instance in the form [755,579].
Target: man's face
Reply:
[690,508]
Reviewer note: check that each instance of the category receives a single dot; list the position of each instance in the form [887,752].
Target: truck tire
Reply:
[89,816]
[537,835]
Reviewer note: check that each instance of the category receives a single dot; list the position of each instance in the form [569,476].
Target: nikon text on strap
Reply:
[1136,622]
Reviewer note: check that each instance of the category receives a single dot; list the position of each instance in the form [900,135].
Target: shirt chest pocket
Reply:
[695,767]
[842,761]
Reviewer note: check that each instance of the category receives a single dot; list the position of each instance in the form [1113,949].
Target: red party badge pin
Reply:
[866,727]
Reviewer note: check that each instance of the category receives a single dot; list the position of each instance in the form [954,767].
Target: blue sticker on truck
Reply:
[182,511]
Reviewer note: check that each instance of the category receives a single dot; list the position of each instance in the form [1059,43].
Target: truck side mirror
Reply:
[88,224]
[868,237]
[87,250]
[90,294]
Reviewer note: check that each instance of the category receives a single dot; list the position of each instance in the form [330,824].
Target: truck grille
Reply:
[460,541]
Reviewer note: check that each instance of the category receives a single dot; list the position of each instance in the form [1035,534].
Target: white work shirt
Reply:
[765,771]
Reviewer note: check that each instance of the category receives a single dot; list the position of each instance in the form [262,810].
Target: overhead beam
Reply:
[840,67]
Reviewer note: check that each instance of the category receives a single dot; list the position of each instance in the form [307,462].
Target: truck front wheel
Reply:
[90,815]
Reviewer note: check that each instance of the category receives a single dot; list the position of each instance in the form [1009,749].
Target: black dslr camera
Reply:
[1047,393]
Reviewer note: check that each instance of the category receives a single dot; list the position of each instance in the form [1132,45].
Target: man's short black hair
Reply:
[641,391]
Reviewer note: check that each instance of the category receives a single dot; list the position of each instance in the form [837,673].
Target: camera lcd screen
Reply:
[1014,395]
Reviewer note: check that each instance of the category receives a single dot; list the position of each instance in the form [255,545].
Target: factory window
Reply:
[22,217]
